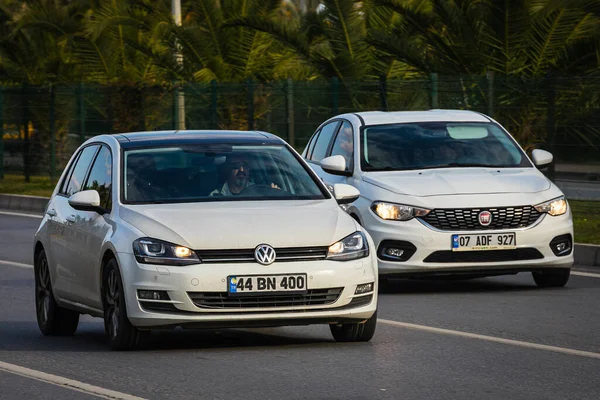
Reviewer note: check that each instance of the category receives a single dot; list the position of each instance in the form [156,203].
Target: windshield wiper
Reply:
[449,165]
[475,165]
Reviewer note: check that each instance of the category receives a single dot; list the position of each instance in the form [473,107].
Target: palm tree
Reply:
[527,43]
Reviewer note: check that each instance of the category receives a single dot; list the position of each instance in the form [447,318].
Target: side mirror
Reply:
[335,165]
[87,200]
[541,158]
[345,194]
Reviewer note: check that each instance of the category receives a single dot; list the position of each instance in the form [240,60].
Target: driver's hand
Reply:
[274,186]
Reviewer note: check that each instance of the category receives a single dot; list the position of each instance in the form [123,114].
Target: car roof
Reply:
[391,117]
[178,137]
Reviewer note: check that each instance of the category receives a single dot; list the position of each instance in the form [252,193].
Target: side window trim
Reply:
[67,178]
[89,167]
[335,121]
[89,171]
[311,147]
[334,137]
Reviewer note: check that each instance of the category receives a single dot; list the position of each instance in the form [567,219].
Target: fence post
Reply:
[25,122]
[81,105]
[291,134]
[551,122]
[52,124]
[250,88]
[335,92]
[213,104]
[383,92]
[1,134]
[434,90]
[176,107]
[490,96]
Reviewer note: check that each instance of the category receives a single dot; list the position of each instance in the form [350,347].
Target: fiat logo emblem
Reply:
[264,254]
[485,218]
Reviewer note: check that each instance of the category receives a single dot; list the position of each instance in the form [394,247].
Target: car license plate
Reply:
[493,241]
[251,284]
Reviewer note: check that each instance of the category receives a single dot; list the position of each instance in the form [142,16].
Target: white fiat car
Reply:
[447,192]
[202,230]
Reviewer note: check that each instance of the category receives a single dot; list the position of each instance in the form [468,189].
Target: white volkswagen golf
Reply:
[201,230]
[447,192]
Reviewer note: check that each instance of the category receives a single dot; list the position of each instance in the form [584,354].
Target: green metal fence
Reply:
[40,127]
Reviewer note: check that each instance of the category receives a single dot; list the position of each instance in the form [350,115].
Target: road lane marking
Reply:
[495,339]
[66,383]
[16,264]
[21,214]
[588,274]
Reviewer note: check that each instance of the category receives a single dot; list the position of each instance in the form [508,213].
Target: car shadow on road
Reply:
[439,285]
[90,337]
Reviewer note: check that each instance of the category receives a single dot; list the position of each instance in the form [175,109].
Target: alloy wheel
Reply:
[43,290]
[113,302]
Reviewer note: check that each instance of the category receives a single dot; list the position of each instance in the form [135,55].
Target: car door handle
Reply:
[51,213]
[71,219]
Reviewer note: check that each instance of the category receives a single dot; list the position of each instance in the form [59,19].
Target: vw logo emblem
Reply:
[485,218]
[264,254]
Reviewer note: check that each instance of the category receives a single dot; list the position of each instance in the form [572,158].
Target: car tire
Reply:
[121,334]
[552,277]
[52,319]
[359,332]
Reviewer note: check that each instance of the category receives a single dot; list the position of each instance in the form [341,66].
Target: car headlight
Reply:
[351,247]
[154,251]
[397,212]
[553,207]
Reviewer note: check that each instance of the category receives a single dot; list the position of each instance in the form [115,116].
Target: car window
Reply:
[438,145]
[217,172]
[311,145]
[100,178]
[344,145]
[80,170]
[67,177]
[322,142]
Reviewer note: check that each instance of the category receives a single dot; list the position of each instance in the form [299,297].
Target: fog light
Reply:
[393,252]
[562,245]
[153,295]
[364,288]
[562,248]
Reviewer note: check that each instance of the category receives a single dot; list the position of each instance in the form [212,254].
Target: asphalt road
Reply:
[493,338]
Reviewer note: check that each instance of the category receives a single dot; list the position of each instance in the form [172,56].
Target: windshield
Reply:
[438,145]
[216,172]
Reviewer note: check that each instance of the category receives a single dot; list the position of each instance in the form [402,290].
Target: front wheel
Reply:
[552,277]
[358,332]
[52,319]
[121,334]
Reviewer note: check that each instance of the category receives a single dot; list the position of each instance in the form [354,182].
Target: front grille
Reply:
[284,254]
[467,219]
[448,256]
[313,297]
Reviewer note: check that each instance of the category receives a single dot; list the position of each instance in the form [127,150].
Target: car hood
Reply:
[456,181]
[237,225]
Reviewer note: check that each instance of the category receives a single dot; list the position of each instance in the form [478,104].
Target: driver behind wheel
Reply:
[237,170]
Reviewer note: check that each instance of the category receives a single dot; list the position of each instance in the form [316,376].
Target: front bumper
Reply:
[179,282]
[428,241]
